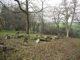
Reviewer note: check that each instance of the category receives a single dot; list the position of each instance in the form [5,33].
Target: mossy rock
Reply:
[46,40]
[3,48]
[20,36]
[34,38]
[50,40]
[42,39]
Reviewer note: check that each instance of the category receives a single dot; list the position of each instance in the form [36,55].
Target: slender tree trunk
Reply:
[67,29]
[37,28]
[0,25]
[58,34]
[42,21]
[27,19]
[34,29]
[57,30]
[67,33]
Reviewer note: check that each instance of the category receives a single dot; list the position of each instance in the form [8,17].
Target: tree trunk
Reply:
[37,28]
[27,19]
[42,21]
[67,33]
[67,29]
[27,26]
[58,34]
[57,29]
[34,29]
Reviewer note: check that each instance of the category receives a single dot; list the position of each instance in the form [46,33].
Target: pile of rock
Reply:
[26,38]
[37,37]
[55,37]
[9,37]
[38,40]
[16,35]
[47,37]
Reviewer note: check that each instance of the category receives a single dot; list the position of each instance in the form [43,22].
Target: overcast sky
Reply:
[49,2]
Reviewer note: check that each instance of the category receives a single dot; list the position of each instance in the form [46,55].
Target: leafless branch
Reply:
[20,6]
[8,9]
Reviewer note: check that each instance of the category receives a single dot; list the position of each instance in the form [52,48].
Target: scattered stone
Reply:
[47,37]
[7,37]
[55,37]
[36,36]
[20,36]
[27,35]
[16,35]
[41,36]
[3,48]
[25,39]
[38,41]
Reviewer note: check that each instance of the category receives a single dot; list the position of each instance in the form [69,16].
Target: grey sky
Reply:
[38,3]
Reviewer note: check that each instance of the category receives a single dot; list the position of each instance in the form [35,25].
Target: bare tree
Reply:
[42,21]
[57,17]
[69,9]
[13,21]
[25,11]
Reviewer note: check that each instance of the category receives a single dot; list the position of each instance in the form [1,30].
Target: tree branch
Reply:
[20,6]
[10,10]
[24,10]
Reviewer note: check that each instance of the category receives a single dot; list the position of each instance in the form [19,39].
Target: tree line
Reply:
[66,12]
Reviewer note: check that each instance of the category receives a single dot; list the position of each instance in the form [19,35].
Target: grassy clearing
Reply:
[62,49]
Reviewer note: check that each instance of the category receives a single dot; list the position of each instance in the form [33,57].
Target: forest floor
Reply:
[61,49]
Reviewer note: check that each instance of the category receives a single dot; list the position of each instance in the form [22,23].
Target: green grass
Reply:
[5,31]
[62,49]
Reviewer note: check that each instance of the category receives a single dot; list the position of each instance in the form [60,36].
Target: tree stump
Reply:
[16,35]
